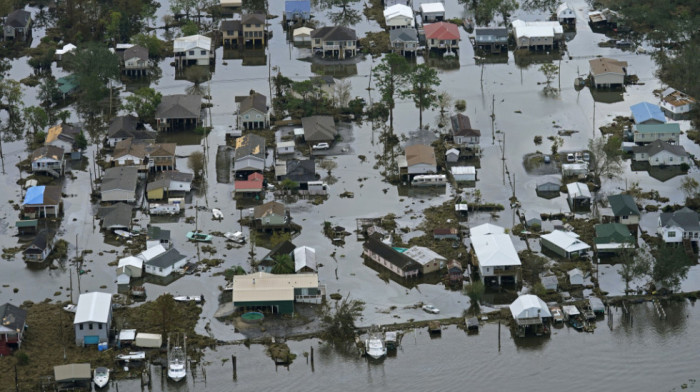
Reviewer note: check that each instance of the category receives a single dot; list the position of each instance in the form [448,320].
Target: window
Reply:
[203,53]
[81,327]
[99,326]
[625,217]
[191,52]
[90,326]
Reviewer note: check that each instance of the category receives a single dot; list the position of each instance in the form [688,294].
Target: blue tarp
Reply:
[297,7]
[645,111]
[35,195]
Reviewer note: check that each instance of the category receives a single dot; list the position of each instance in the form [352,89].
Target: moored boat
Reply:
[557,315]
[190,298]
[217,214]
[391,340]
[198,236]
[100,377]
[176,364]
[132,356]
[237,237]
[123,233]
[375,346]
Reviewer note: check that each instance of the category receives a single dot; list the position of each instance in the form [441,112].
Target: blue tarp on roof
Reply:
[35,195]
[645,111]
[303,6]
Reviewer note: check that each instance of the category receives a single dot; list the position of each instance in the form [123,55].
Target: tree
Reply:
[391,77]
[606,159]
[113,29]
[475,291]
[634,264]
[339,323]
[670,267]
[189,28]
[162,312]
[341,93]
[283,264]
[444,103]
[505,8]
[690,187]
[423,80]
[150,42]
[196,163]
[186,6]
[289,184]
[550,73]
[144,103]
[81,141]
[460,105]
[36,118]
[10,100]
[48,95]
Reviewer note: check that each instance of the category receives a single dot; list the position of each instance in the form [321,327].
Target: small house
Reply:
[565,14]
[302,35]
[48,160]
[548,189]
[579,196]
[624,209]
[300,171]
[249,156]
[418,159]
[286,147]
[324,85]
[68,85]
[123,283]
[455,272]
[129,153]
[429,260]
[442,36]
[193,50]
[297,10]
[319,129]
[18,26]
[496,258]
[41,202]
[169,183]
[157,236]
[432,12]
[275,294]
[612,238]
[491,39]
[549,282]
[128,127]
[452,155]
[179,111]
[463,134]
[647,113]
[607,73]
[389,258]
[72,377]
[253,26]
[126,337]
[253,111]
[65,136]
[161,156]
[398,16]
[446,233]
[40,248]
[283,248]
[648,133]
[115,217]
[67,48]
[537,35]
[271,215]
[463,173]
[404,40]
[339,41]
[575,277]
[93,318]
[677,226]
[528,311]
[165,263]
[14,323]
[305,260]
[27,226]
[131,266]
[135,61]
[564,243]
[119,184]
[252,185]
[231,32]
[676,103]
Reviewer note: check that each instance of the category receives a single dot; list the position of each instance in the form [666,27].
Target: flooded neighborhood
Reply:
[378,195]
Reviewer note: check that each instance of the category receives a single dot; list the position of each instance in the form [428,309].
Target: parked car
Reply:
[431,309]
[570,157]
[321,146]
[586,156]
[547,159]
[579,156]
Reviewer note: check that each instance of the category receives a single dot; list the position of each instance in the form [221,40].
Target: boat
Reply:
[100,377]
[236,236]
[190,298]
[176,364]
[198,236]
[70,308]
[588,313]
[132,356]
[375,347]
[138,291]
[217,214]
[123,233]
[391,340]
[557,315]
[573,316]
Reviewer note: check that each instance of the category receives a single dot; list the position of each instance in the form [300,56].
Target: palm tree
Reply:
[283,264]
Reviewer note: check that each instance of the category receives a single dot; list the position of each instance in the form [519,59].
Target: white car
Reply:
[431,309]
[570,157]
[321,146]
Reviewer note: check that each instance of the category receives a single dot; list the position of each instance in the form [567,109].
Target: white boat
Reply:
[70,308]
[375,346]
[176,364]
[189,298]
[217,213]
[132,356]
[100,377]
[123,233]
[237,236]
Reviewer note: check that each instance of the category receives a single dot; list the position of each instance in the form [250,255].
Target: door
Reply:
[93,339]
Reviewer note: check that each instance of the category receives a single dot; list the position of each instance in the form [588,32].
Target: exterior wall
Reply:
[422,168]
[128,160]
[650,137]
[250,162]
[398,22]
[156,194]
[386,264]
[283,307]
[549,245]
[46,163]
[200,55]
[285,150]
[165,272]
[608,79]
[442,44]
[467,140]
[526,42]
[432,16]
[433,266]
[628,219]
[665,158]
[676,109]
[272,220]
[464,177]
[92,329]
[135,63]
[252,118]
[671,234]
[119,195]
[254,32]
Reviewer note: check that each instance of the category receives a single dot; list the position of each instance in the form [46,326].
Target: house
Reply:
[157,236]
[271,215]
[432,12]
[496,258]
[161,156]
[302,35]
[455,272]
[275,293]
[42,201]
[128,127]
[253,27]
[607,73]
[463,135]
[115,217]
[564,243]
[398,16]
[486,229]
[249,156]
[491,39]
[297,10]
[231,31]
[48,160]
[325,84]
[300,171]
[135,61]
[286,147]
[389,258]
[548,188]
[268,262]
[193,50]
[67,85]
[647,133]
[119,184]
[165,263]
[579,196]
[624,209]
[418,159]
[647,113]
[131,266]
[579,169]
[253,184]
[18,26]
[168,184]
[64,136]
[253,111]
[549,282]
[129,153]
[442,35]
[565,14]
[14,323]
[178,111]
[575,277]
[27,226]
[452,155]
[319,129]
[678,226]
[305,260]
[73,377]
[429,260]
[340,41]
[528,310]
[404,40]
[151,252]
[40,248]
[463,173]
[446,233]
[93,318]
[612,237]
[123,283]
[537,35]
[676,103]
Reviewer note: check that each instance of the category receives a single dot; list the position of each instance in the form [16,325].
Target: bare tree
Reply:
[341,93]
[606,159]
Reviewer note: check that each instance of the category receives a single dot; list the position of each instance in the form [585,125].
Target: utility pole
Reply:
[493,119]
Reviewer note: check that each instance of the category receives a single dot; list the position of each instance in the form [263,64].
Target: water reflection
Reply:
[335,69]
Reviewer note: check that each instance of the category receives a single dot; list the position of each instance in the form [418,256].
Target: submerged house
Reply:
[319,129]
[396,262]
[648,133]
[418,159]
[647,113]
[429,260]
[491,39]
[18,26]
[624,209]
[179,111]
[463,135]
[529,310]
[579,195]
[42,201]
[661,153]
[676,103]
[564,243]
[169,183]
[193,50]
[165,263]
[442,36]
[339,41]
[537,35]
[93,318]
[48,160]
[65,136]
[566,14]
[253,111]
[119,184]
[432,12]
[253,28]
[249,156]
[398,16]
[231,31]
[271,215]
[496,258]
[135,61]
[40,248]
[283,248]
[404,40]
[612,238]
[128,127]
[305,260]
[115,217]
[607,73]
[275,293]
[678,226]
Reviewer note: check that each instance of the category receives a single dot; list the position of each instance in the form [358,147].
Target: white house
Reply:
[48,159]
[302,35]
[452,155]
[575,277]
[537,35]
[165,263]
[151,253]
[566,14]
[305,260]
[675,102]
[93,318]
[131,265]
[419,159]
[285,147]
[529,309]
[564,243]
[193,50]
[607,72]
[660,153]
[398,16]
[463,173]
[432,12]
[680,225]
[496,258]
[647,133]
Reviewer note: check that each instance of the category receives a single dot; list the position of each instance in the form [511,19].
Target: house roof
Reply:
[423,255]
[129,147]
[487,35]
[566,240]
[677,98]
[485,229]
[388,253]
[49,195]
[420,154]
[18,18]
[297,6]
[269,208]
[151,253]
[115,216]
[578,190]
[131,261]
[67,84]
[250,144]
[51,152]
[549,281]
[166,259]
[161,149]
[334,33]
[175,175]
[645,111]
[605,65]
[230,25]
[157,233]
[432,7]
[120,178]
[262,286]
[72,372]
[12,317]
[445,231]
[658,128]
[612,233]
[404,34]
[283,248]
[319,128]
[462,170]
[398,10]
[563,7]
[135,51]
[536,29]
[256,18]
[623,205]
[575,272]
[301,170]
[254,182]
[122,126]
[529,306]
[255,101]
[184,44]
[462,126]
[305,256]
[93,307]
[65,132]
[441,31]
[179,106]
[494,250]
[684,218]
[303,31]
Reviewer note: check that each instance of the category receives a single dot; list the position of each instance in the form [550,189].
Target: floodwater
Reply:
[514,93]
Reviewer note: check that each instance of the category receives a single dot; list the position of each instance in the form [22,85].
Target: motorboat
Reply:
[237,237]
[557,315]
[132,356]
[391,340]
[176,364]
[100,377]
[375,346]
[198,236]
[189,298]
[123,233]
[70,308]
[218,215]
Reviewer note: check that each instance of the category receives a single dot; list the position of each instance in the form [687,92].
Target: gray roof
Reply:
[657,146]
[255,101]
[123,178]
[406,34]
[39,243]
[301,170]
[491,35]
[117,216]
[319,128]
[12,317]
[462,126]
[283,248]
[18,18]
[174,175]
[386,252]
[684,218]
[135,51]
[623,205]
[334,33]
[156,233]
[166,259]
[250,144]
[230,25]
[122,126]
[179,106]
[253,19]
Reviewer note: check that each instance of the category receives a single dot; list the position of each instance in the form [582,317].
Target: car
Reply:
[321,146]
[579,157]
[586,156]
[547,159]
[431,309]
[570,157]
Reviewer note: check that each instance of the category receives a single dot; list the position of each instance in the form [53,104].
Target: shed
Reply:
[285,147]
[564,243]
[550,282]
[579,195]
[452,155]
[73,373]
[443,233]
[529,309]
[575,277]
[429,260]
[123,282]
[126,336]
[148,340]
[463,173]
[305,259]
[432,12]
[93,318]
[302,35]
[597,305]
